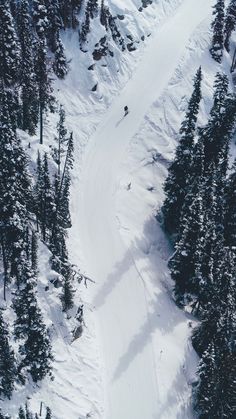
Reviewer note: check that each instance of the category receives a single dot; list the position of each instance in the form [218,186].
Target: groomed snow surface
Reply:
[134,360]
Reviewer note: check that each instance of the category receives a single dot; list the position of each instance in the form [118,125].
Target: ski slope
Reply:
[135,385]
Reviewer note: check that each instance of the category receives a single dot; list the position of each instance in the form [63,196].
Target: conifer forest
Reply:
[117,209]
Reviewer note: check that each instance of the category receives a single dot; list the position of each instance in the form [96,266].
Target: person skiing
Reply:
[126,109]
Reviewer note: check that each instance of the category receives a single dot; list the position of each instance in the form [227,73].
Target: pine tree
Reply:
[230,23]
[85,29]
[47,200]
[92,8]
[54,23]
[9,47]
[60,66]
[48,413]
[219,128]
[185,264]
[40,18]
[215,337]
[230,216]
[14,197]
[21,414]
[36,348]
[64,194]
[177,182]
[217,42]
[62,139]
[29,90]
[34,253]
[46,99]
[7,361]
[205,393]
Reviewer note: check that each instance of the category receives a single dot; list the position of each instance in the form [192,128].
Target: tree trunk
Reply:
[41,124]
[5,268]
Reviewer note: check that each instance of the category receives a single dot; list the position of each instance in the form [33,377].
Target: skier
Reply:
[126,109]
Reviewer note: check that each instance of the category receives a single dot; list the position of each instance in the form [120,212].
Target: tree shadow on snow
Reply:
[162,313]
[112,280]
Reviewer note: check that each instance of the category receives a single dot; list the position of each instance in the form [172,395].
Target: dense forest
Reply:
[199,214]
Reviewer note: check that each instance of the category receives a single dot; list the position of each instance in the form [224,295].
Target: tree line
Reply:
[199,214]
[33,206]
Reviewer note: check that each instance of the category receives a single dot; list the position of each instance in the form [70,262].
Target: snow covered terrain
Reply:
[135,359]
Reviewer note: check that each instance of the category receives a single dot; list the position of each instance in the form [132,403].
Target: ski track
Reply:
[132,385]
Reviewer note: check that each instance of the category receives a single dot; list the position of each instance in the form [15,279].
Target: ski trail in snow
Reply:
[119,296]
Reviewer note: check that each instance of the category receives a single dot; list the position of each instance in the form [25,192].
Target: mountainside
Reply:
[121,347]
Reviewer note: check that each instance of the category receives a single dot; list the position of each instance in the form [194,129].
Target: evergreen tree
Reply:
[184,264]
[48,413]
[34,253]
[47,200]
[177,182]
[21,414]
[36,348]
[14,197]
[7,361]
[62,140]
[60,66]
[63,207]
[205,393]
[230,216]
[54,23]
[230,22]
[40,18]
[219,128]
[92,8]
[9,47]
[46,99]
[217,42]
[85,29]
[29,90]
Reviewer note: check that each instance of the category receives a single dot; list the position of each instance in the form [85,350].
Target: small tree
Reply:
[217,43]
[60,66]
[46,99]
[7,361]
[230,23]
[9,47]
[36,348]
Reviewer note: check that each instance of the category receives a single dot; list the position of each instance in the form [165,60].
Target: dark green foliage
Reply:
[48,414]
[35,346]
[29,88]
[60,66]
[9,47]
[54,23]
[7,362]
[40,18]
[43,197]
[92,8]
[14,197]
[34,253]
[230,216]
[21,414]
[177,182]
[230,23]
[217,43]
[46,99]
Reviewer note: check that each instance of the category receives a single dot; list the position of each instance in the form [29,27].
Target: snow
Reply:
[144,337]
[135,358]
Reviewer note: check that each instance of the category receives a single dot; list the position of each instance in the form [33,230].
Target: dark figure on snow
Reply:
[126,109]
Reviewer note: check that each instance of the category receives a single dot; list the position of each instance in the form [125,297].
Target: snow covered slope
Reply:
[144,338]
[135,359]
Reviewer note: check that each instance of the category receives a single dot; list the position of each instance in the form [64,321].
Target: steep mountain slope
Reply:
[134,359]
